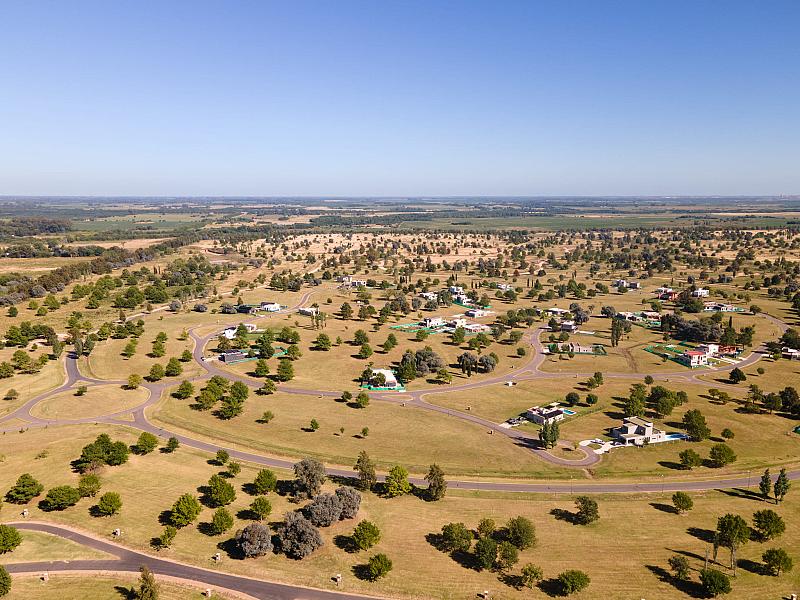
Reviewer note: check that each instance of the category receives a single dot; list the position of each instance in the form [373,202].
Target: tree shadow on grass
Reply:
[231,549]
[206,528]
[690,588]
[128,593]
[668,464]
[511,580]
[564,515]
[343,480]
[704,535]
[665,508]
[743,493]
[165,517]
[346,543]
[362,572]
[552,587]
[752,566]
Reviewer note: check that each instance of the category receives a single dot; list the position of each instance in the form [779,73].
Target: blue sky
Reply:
[399,98]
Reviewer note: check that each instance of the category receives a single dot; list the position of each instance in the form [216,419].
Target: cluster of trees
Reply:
[219,390]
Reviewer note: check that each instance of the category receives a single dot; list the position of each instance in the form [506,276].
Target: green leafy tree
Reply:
[682,502]
[265,482]
[437,485]
[148,586]
[695,424]
[521,532]
[185,511]
[782,486]
[365,468]
[261,507]
[5,578]
[220,492]
[587,510]
[285,370]
[134,381]
[507,556]
[397,482]
[109,504]
[222,521]
[680,566]
[531,575]
[765,485]
[146,443]
[768,524]
[378,566]
[777,561]
[365,535]
[485,553]
[732,532]
[721,455]
[173,368]
[10,538]
[61,497]
[690,459]
[572,581]
[88,485]
[714,583]
[25,489]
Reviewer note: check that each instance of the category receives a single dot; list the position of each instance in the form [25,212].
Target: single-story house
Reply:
[618,283]
[432,322]
[694,358]
[504,287]
[390,380]
[269,306]
[230,332]
[309,311]
[477,313]
[429,295]
[477,328]
[634,285]
[635,431]
[556,311]
[577,348]
[231,356]
[545,415]
[351,281]
[461,298]
[719,307]
[456,289]
[457,322]
[790,353]
[569,326]
[700,293]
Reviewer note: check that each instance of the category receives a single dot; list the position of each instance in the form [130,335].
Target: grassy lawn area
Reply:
[621,556]
[29,386]
[97,587]
[98,400]
[409,436]
[37,546]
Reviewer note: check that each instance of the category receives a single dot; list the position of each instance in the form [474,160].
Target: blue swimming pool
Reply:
[569,412]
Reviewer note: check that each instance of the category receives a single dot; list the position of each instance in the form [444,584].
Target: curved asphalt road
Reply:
[130,560]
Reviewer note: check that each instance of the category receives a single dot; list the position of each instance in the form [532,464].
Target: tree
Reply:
[350,501]
[156,373]
[521,532]
[172,444]
[309,476]
[146,443]
[185,510]
[324,510]
[323,342]
[437,486]
[10,538]
[768,524]
[732,532]
[378,566]
[285,370]
[148,587]
[261,369]
[587,510]
[530,575]
[221,522]
[365,535]
[220,492]
[25,489]
[134,381]
[366,471]
[362,399]
[737,375]
[5,578]
[265,482]
[682,502]
[268,388]
[261,507]
[690,459]
[777,561]
[397,482]
[507,556]
[221,457]
[167,536]
[572,398]
[680,566]
[109,504]
[572,581]
[714,583]
[88,485]
[173,368]
[185,390]
[298,537]
[61,497]
[254,540]
[721,455]
[695,424]
[456,537]
[485,552]
[781,487]
[765,485]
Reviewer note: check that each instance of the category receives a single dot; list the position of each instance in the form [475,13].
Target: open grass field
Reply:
[30,385]
[623,556]
[96,587]
[37,546]
[98,400]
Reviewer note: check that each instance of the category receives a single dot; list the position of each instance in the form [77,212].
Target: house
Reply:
[577,348]
[504,287]
[245,309]
[458,322]
[230,332]
[635,431]
[232,356]
[309,311]
[790,353]
[477,313]
[456,290]
[663,290]
[719,307]
[709,349]
[618,283]
[432,322]
[694,358]
[730,350]
[634,285]
[350,281]
[556,312]
[569,326]
[461,298]
[390,381]
[700,293]
[477,328]
[545,415]
[672,295]
[429,295]
[269,306]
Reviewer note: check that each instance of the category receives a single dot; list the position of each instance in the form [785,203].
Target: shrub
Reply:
[109,504]
[298,537]
[10,538]
[572,581]
[254,540]
[61,497]
[146,443]
[521,532]
[378,566]
[714,582]
[456,537]
[88,485]
[350,500]
[324,510]
[25,489]
[365,535]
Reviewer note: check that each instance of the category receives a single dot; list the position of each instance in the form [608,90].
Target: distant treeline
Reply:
[29,226]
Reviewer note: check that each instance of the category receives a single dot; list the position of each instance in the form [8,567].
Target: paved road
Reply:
[127,560]
[415,399]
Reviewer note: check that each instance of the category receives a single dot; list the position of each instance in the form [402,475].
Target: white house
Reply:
[477,313]
[635,431]
[504,287]
[694,358]
[556,311]
[351,281]
[620,283]
[634,285]
[708,349]
[458,322]
[569,326]
[269,306]
[545,415]
[388,375]
[429,295]
[309,311]
[230,332]
[431,322]
[462,298]
[700,293]
[456,289]
[790,353]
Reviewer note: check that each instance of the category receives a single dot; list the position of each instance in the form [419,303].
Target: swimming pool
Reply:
[569,412]
[676,436]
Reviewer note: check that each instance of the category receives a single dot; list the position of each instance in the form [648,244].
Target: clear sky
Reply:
[399,98]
